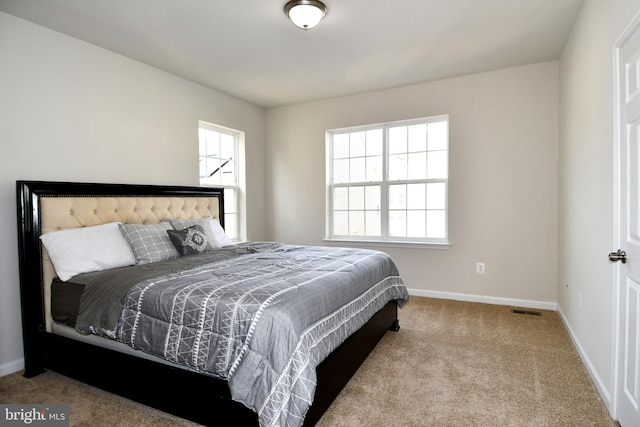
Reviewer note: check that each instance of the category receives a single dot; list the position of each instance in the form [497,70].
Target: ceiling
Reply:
[250,50]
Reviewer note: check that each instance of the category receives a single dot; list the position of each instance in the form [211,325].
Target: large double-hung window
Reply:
[388,182]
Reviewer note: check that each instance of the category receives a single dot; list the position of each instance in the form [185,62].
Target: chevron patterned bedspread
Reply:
[263,318]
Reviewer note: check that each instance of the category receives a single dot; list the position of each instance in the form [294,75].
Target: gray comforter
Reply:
[261,315]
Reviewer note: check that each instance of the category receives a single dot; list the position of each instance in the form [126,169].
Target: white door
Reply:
[627,390]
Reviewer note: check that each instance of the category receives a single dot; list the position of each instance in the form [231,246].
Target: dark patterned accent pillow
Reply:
[190,240]
[180,224]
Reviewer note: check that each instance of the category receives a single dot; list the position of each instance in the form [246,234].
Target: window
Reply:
[389,182]
[219,162]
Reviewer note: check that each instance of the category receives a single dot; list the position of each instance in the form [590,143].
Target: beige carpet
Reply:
[451,364]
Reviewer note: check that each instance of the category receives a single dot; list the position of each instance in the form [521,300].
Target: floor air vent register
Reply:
[528,312]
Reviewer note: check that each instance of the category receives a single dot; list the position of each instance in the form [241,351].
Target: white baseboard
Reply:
[11,367]
[539,305]
[603,390]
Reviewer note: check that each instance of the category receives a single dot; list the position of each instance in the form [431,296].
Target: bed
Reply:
[262,333]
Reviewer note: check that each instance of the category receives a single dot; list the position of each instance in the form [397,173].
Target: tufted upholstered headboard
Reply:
[48,206]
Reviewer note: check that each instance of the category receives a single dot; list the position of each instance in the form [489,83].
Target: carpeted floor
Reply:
[451,364]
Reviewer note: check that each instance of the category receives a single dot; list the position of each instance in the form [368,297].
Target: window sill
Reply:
[388,244]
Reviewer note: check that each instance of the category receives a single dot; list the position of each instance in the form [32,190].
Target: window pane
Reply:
[356,198]
[436,224]
[358,170]
[436,196]
[374,169]
[398,167]
[341,199]
[398,140]
[372,198]
[416,197]
[230,200]
[212,144]
[438,135]
[341,146]
[416,224]
[417,166]
[374,226]
[357,144]
[227,147]
[231,213]
[398,223]
[341,223]
[356,223]
[437,165]
[227,174]
[418,138]
[398,196]
[231,225]
[374,142]
[213,168]
[341,171]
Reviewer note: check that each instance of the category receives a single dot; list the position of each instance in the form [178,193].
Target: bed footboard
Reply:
[336,371]
[198,397]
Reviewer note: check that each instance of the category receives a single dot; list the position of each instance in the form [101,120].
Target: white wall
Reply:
[503,179]
[74,112]
[586,183]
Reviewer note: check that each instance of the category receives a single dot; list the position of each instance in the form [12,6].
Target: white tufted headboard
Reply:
[50,206]
[61,213]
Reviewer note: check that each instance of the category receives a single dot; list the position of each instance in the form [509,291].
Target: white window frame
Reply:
[231,214]
[385,239]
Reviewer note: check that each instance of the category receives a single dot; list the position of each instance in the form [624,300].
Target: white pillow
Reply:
[87,249]
[218,232]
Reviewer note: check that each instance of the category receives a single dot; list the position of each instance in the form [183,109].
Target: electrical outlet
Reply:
[580,301]
[480,267]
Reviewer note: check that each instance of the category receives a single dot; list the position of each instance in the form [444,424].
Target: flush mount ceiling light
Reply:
[305,13]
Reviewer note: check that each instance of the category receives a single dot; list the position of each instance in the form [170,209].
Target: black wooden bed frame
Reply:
[109,370]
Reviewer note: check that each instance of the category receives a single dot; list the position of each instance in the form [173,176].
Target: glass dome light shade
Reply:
[305,13]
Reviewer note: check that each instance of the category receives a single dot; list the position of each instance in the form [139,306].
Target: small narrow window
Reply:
[219,162]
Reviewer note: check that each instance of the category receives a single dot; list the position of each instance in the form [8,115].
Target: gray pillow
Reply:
[150,242]
[190,240]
